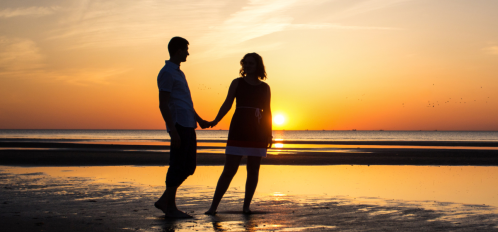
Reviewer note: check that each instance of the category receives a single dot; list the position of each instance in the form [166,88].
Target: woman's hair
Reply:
[260,67]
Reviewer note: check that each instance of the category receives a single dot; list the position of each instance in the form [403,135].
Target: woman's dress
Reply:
[251,124]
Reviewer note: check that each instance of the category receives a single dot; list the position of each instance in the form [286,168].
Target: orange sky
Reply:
[335,65]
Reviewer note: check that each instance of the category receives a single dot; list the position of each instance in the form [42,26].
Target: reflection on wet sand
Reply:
[464,184]
[290,198]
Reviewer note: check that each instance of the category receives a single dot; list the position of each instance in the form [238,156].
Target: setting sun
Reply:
[279,119]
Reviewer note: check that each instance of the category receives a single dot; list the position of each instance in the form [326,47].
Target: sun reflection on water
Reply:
[279,145]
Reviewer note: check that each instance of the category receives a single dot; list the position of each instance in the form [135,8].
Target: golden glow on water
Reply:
[278,194]
[279,145]
[221,144]
[462,184]
[340,146]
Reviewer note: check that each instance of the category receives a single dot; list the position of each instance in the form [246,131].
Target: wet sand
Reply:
[36,201]
[358,157]
[42,201]
[25,152]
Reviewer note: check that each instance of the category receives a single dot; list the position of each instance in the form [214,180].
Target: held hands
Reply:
[212,124]
[205,124]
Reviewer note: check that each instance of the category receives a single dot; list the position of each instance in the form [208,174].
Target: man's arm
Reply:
[202,123]
[164,99]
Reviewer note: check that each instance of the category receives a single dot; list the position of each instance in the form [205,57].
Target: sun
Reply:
[279,119]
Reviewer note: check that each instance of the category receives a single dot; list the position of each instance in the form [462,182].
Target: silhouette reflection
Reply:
[236,220]
[171,224]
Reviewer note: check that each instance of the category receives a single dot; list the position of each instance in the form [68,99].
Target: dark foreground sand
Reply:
[38,202]
[369,156]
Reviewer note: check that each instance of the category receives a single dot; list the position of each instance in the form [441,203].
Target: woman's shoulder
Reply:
[265,84]
[235,82]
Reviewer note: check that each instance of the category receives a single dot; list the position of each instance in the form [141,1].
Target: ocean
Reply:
[116,135]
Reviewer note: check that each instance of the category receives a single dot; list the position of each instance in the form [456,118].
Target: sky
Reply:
[331,64]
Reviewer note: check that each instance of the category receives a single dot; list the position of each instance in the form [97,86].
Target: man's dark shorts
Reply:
[182,160]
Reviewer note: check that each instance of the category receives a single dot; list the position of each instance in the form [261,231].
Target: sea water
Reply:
[278,135]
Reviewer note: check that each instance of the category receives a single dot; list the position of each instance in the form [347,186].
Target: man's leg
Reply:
[167,203]
[182,164]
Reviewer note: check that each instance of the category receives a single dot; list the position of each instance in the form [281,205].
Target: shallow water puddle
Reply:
[462,184]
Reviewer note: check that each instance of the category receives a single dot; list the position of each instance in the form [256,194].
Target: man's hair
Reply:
[260,67]
[175,44]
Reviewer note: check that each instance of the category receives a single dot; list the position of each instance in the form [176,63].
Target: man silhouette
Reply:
[177,109]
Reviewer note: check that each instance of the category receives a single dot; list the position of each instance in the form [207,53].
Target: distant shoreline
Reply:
[72,143]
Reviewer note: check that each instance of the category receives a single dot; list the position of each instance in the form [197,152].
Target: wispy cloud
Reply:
[369,5]
[128,22]
[87,77]
[254,20]
[263,17]
[21,58]
[27,11]
[491,50]
[337,26]
[17,54]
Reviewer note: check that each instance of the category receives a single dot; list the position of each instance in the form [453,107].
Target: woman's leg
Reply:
[253,164]
[231,166]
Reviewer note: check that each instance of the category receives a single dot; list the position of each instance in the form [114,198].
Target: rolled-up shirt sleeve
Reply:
[165,81]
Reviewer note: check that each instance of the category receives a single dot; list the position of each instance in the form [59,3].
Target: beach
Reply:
[304,186]
[289,198]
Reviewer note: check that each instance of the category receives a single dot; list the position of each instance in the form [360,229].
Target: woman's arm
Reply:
[269,119]
[227,105]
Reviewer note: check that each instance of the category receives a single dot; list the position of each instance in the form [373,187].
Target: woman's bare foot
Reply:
[210,212]
[246,211]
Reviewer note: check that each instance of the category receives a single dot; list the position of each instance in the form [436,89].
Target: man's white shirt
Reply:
[171,79]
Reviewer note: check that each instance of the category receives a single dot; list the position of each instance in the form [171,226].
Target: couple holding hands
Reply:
[250,131]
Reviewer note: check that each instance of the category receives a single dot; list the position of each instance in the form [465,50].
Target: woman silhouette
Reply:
[250,131]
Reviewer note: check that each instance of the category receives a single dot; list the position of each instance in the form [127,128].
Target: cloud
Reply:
[337,26]
[17,54]
[254,20]
[87,77]
[115,23]
[27,11]
[263,17]
[21,58]
[491,50]
[369,5]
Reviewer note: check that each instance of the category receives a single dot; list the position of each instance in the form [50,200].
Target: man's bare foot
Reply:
[174,213]
[160,206]
[210,212]
[177,214]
